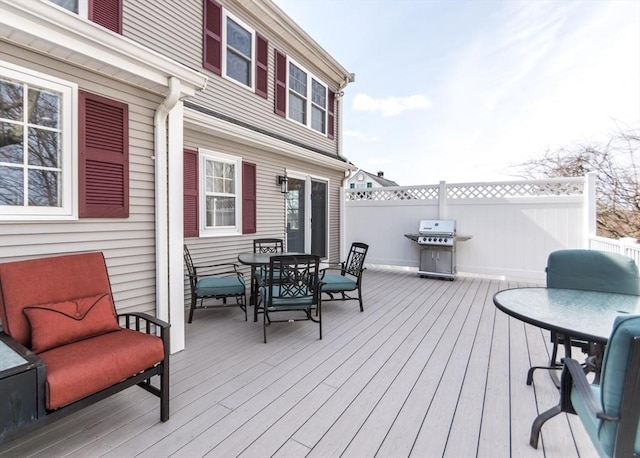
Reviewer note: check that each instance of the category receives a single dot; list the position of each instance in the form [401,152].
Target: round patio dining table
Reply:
[587,315]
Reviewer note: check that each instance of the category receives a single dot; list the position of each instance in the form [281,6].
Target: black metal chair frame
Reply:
[573,374]
[353,266]
[263,245]
[295,288]
[212,270]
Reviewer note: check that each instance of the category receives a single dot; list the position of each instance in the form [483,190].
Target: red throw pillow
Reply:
[53,325]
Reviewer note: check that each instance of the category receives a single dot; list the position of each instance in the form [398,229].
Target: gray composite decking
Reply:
[430,368]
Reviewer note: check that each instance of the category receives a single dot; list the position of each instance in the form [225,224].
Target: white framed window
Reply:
[238,52]
[38,147]
[80,7]
[307,98]
[220,194]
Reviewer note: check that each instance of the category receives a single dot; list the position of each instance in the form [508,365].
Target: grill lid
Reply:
[437,227]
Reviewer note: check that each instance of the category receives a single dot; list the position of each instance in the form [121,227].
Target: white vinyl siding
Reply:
[128,244]
[176,31]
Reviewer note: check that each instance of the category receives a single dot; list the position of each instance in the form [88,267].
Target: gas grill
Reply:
[437,242]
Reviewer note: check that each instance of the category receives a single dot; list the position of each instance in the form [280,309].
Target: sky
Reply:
[463,91]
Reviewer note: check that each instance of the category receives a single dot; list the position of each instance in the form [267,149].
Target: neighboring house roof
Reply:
[377,178]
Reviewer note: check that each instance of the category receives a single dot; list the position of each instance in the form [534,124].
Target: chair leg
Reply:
[264,324]
[360,299]
[319,314]
[193,306]
[164,391]
[539,421]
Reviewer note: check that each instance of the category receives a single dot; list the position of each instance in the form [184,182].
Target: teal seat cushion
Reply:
[220,286]
[614,370]
[593,270]
[335,283]
[288,303]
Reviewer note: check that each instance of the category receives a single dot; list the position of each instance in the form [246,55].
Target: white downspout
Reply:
[161,206]
[343,228]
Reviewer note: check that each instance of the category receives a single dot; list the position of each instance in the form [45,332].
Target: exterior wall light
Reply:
[283,182]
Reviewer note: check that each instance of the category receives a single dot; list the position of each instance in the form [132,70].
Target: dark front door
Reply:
[319,218]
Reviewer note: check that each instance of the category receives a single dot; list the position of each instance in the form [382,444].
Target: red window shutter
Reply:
[212,37]
[190,186]
[262,57]
[281,84]
[248,198]
[103,157]
[331,113]
[107,13]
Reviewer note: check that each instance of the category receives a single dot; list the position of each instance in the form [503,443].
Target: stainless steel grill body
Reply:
[437,241]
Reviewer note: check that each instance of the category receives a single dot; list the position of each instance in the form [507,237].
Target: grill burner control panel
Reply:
[445,241]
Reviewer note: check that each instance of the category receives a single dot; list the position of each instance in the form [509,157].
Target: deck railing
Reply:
[627,246]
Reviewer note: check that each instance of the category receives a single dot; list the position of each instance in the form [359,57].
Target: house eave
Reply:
[277,22]
[48,29]
[220,128]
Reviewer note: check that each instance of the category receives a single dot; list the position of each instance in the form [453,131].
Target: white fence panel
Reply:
[514,225]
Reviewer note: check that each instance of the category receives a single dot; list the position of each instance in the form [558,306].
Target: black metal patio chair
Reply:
[294,289]
[215,281]
[349,279]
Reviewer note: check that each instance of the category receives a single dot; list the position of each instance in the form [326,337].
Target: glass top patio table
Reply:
[578,313]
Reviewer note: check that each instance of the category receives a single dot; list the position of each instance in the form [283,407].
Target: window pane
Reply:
[317,119]
[44,148]
[11,186]
[11,143]
[44,188]
[238,38]
[11,102]
[297,108]
[71,5]
[297,80]
[221,211]
[318,94]
[43,108]
[238,68]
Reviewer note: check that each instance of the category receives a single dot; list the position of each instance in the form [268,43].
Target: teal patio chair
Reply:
[587,270]
[215,281]
[349,278]
[609,411]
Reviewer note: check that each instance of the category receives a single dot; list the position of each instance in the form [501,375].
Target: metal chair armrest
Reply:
[573,377]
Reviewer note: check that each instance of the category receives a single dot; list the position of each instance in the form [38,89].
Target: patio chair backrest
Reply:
[268,246]
[193,276]
[593,270]
[614,371]
[293,278]
[46,281]
[355,259]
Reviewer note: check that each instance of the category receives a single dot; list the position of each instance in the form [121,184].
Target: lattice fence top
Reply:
[514,189]
[525,188]
[394,193]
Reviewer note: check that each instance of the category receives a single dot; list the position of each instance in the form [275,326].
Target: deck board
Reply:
[430,368]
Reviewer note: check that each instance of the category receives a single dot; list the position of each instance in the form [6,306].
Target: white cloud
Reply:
[391,106]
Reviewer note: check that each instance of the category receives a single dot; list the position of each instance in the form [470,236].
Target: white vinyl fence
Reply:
[513,225]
